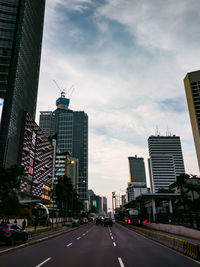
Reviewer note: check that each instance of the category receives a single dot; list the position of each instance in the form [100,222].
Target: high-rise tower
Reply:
[192,89]
[137,183]
[71,128]
[166,160]
[137,170]
[21,30]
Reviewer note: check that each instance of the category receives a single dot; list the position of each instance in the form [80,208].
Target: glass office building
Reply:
[21,30]
[192,90]
[71,129]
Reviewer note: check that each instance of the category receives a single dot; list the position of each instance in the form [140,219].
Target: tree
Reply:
[66,197]
[93,210]
[180,183]
[164,190]
[9,184]
[191,188]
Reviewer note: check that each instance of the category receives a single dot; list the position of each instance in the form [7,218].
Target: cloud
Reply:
[127,61]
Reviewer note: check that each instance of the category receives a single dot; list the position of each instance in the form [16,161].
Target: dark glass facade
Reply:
[71,128]
[21,30]
[137,170]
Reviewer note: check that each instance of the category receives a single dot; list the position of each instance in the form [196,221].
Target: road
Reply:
[97,246]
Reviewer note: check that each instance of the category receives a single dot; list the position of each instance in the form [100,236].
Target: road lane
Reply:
[35,254]
[93,246]
[136,250]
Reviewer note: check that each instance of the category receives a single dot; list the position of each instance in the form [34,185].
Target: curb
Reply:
[185,247]
[35,241]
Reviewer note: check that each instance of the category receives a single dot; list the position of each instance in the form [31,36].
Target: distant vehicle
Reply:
[108,222]
[11,233]
[83,220]
[113,219]
[75,223]
[132,216]
[99,220]
[117,217]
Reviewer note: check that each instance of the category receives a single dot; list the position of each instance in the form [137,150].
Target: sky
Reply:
[126,60]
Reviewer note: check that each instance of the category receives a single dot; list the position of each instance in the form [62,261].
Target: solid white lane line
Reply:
[114,244]
[121,262]
[43,262]
[69,244]
[78,238]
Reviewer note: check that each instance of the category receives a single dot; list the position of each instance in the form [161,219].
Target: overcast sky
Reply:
[127,60]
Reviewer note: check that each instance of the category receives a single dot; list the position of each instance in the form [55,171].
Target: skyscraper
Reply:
[137,170]
[166,160]
[192,90]
[71,128]
[137,183]
[21,30]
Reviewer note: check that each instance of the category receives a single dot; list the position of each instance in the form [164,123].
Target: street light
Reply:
[113,197]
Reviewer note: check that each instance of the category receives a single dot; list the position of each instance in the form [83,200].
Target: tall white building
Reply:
[166,160]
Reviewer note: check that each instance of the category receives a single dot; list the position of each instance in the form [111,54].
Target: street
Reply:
[96,246]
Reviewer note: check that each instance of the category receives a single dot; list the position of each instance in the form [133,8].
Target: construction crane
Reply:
[63,91]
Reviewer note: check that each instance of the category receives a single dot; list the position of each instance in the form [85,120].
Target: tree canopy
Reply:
[66,197]
[9,184]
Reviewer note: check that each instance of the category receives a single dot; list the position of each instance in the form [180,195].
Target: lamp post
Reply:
[113,197]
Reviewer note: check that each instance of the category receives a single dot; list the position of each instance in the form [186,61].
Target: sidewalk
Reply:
[40,227]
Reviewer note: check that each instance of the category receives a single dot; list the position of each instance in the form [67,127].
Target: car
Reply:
[114,221]
[108,222]
[75,223]
[11,233]
[99,220]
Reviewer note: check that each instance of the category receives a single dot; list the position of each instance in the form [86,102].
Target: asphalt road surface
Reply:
[97,246]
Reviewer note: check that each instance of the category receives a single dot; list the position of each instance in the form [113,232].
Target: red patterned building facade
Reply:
[36,156]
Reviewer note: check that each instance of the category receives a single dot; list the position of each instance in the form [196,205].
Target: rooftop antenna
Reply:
[168,133]
[62,91]
[157,131]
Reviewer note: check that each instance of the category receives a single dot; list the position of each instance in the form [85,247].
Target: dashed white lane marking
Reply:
[78,238]
[114,244]
[43,262]
[121,262]
[84,234]
[111,237]
[110,233]
[69,244]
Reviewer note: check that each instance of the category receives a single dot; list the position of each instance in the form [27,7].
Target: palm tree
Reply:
[181,183]
[67,197]
[165,190]
[63,193]
[191,188]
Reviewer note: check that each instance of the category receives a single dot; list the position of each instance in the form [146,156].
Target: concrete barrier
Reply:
[186,247]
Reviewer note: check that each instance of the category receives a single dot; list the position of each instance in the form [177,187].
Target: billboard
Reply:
[94,203]
[1,108]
